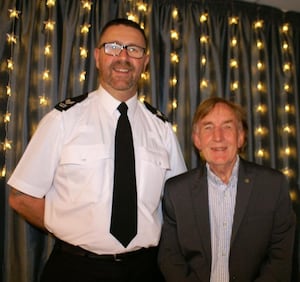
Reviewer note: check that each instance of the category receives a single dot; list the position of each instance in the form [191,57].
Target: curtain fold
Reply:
[244,52]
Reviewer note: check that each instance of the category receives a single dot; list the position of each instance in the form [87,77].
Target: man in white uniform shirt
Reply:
[64,181]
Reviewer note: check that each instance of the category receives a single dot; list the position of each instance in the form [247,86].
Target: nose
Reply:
[217,134]
[123,53]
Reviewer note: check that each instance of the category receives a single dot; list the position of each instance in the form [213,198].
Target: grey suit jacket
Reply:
[262,233]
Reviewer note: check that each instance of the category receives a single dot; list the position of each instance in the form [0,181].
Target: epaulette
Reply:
[70,102]
[156,112]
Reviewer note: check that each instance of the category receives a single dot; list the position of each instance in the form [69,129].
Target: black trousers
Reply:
[65,266]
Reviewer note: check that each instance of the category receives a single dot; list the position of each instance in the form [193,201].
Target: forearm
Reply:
[30,208]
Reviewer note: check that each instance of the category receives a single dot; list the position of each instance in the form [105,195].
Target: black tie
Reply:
[124,206]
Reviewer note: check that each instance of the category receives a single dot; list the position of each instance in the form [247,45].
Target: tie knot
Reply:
[123,108]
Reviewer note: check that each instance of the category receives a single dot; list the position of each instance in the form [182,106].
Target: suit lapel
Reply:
[244,188]
[199,195]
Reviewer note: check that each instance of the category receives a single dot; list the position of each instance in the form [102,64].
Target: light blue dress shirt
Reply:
[221,211]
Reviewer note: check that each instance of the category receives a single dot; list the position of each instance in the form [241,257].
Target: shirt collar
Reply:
[111,104]
[217,181]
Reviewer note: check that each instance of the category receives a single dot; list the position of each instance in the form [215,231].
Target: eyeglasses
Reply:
[115,49]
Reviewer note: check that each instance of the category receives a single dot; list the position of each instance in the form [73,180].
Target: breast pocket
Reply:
[152,168]
[85,171]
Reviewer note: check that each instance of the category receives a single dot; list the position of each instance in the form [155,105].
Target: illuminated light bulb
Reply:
[233,42]
[174,58]
[287,108]
[174,104]
[11,38]
[86,4]
[203,60]
[6,145]
[293,195]
[82,76]
[203,18]
[85,28]
[286,87]
[234,85]
[290,129]
[259,44]
[258,24]
[285,46]
[261,153]
[261,131]
[13,13]
[50,3]
[204,39]
[43,100]
[261,109]
[175,127]
[260,86]
[173,81]
[285,28]
[8,90]
[142,7]
[288,172]
[287,151]
[203,83]
[286,67]
[132,17]
[233,20]
[47,50]
[3,171]
[287,129]
[145,75]
[10,64]
[233,63]
[142,98]
[174,35]
[46,75]
[49,25]
[260,65]
[175,13]
[83,52]
[6,118]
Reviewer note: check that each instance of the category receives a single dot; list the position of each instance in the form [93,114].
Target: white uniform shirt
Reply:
[70,161]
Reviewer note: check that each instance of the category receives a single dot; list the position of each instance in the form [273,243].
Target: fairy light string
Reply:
[11,40]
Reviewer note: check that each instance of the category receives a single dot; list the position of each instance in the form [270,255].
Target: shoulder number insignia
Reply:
[70,102]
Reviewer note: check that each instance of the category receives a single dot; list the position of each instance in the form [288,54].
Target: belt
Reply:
[78,251]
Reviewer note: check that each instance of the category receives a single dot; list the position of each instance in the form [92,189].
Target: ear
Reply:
[146,62]
[241,138]
[196,140]
[96,56]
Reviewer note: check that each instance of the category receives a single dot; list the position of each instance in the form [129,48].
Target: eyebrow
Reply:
[226,121]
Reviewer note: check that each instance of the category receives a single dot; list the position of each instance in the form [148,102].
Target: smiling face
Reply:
[119,75]
[218,136]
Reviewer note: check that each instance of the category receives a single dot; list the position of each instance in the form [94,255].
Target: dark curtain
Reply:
[245,52]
